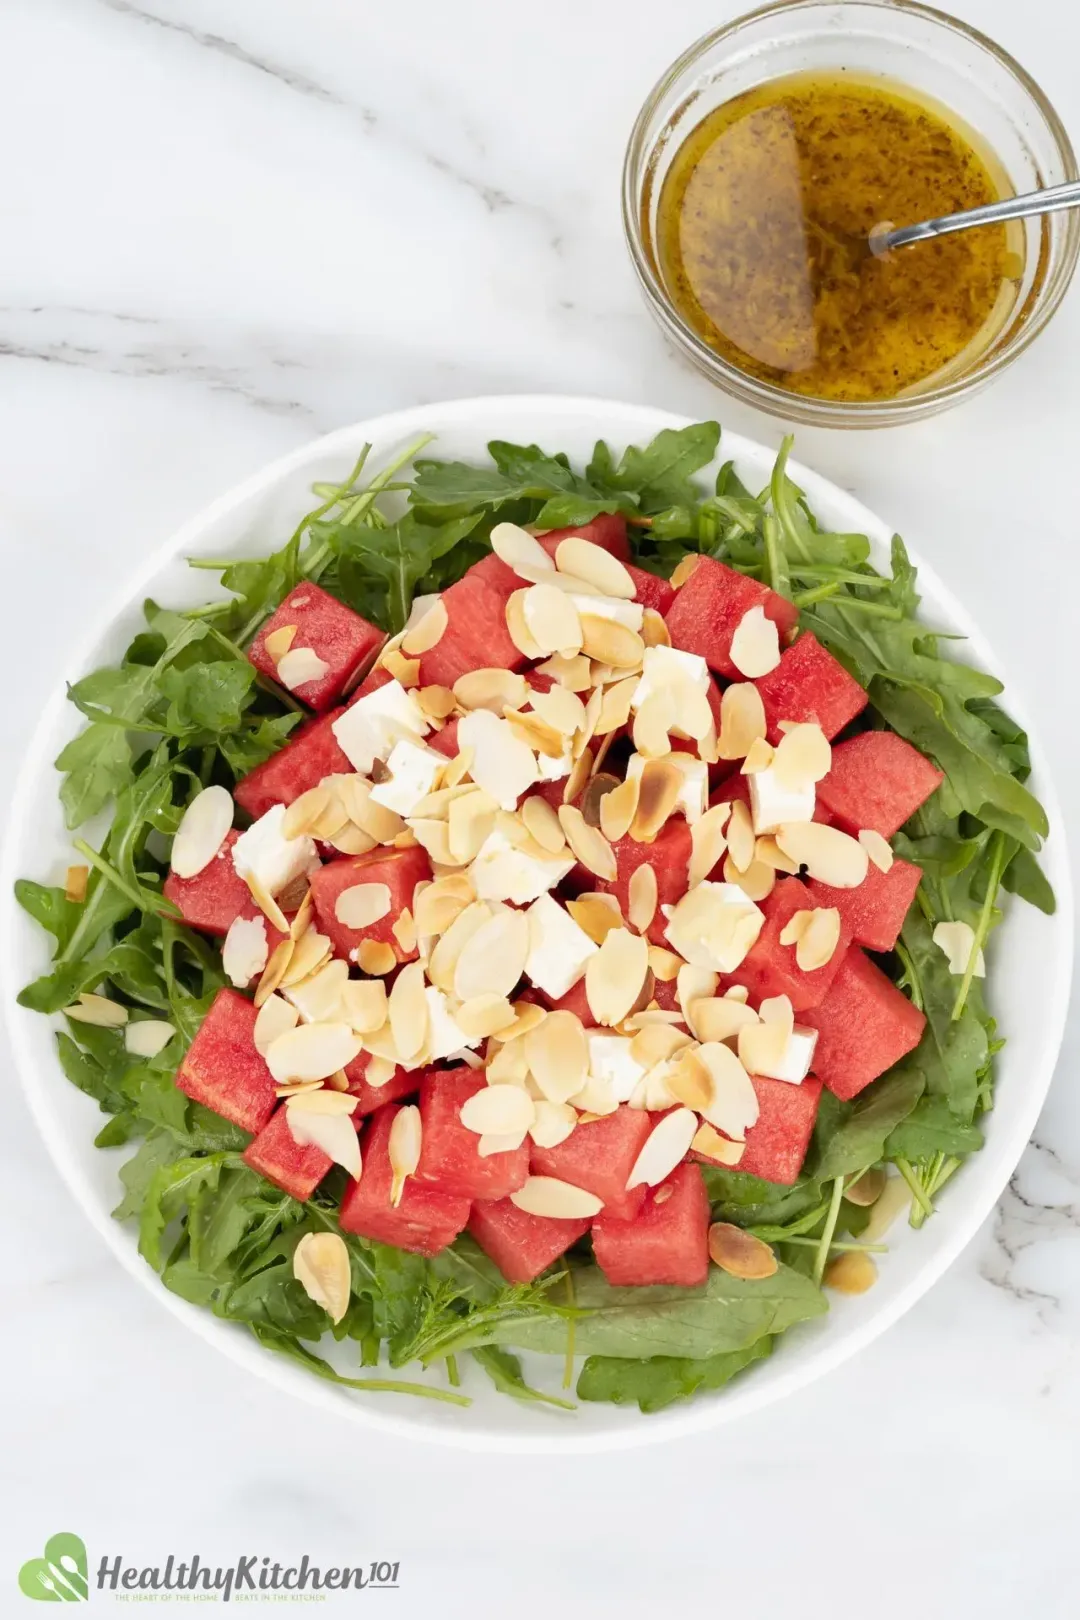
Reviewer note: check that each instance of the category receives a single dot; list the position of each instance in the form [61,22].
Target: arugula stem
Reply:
[452,1371]
[917,1190]
[982,930]
[818,594]
[879,610]
[111,875]
[911,973]
[319,555]
[837,1244]
[825,1241]
[773,553]
[401,1386]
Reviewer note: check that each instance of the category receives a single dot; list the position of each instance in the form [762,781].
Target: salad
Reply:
[541,910]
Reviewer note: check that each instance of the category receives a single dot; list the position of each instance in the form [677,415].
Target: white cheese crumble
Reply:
[370,727]
[265,854]
[558,949]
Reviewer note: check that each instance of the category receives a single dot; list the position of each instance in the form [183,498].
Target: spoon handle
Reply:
[1031,202]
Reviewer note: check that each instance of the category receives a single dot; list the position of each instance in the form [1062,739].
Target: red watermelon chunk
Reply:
[877,780]
[274,1154]
[344,641]
[223,1070]
[476,636]
[400,1084]
[575,1001]
[599,1157]
[425,1220]
[808,685]
[707,610]
[668,855]
[865,1025]
[303,762]
[776,1145]
[875,911]
[666,1243]
[214,898]
[400,869]
[770,969]
[607,531]
[521,1245]
[449,1156]
[446,740]
[650,590]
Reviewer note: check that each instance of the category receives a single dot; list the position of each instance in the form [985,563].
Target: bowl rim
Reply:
[996,1161]
[809,409]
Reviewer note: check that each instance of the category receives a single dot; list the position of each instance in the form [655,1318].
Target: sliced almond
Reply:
[755,646]
[352,841]
[470,821]
[458,768]
[557,1055]
[552,1123]
[436,905]
[404,931]
[379,1071]
[588,844]
[484,1015]
[684,568]
[492,689]
[311,951]
[817,943]
[878,848]
[719,1149]
[558,1200]
[311,1051]
[202,831]
[654,631]
[803,756]
[828,854]
[851,1273]
[321,1267]
[335,1134]
[543,824]
[740,836]
[518,629]
[374,956]
[615,975]
[362,904]
[894,1201]
[99,1011]
[868,1188]
[427,632]
[795,927]
[957,940]
[75,882]
[661,783]
[406,671]
[642,897]
[610,642]
[302,817]
[552,620]
[740,1253]
[690,1081]
[595,916]
[536,734]
[299,667]
[437,702]
[526,1016]
[578,776]
[278,642]
[363,1004]
[693,984]
[618,809]
[492,1142]
[575,674]
[757,882]
[435,838]
[713,935]
[653,723]
[148,1037]
[493,959]
[244,950]
[734,1106]
[408,1013]
[502,764]
[716,1018]
[666,1146]
[708,842]
[266,903]
[274,971]
[444,957]
[758,758]
[403,1149]
[498,1110]
[562,710]
[742,720]
[665,964]
[657,1043]
[767,852]
[520,550]
[615,706]
[590,562]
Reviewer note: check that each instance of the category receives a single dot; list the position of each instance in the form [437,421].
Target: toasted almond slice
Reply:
[690,1081]
[684,568]
[851,1273]
[471,819]
[558,1200]
[75,883]
[543,824]
[795,927]
[444,957]
[311,1052]
[493,959]
[499,1142]
[403,1149]
[957,940]
[734,1105]
[492,689]
[312,950]
[610,642]
[321,1267]
[615,975]
[665,964]
[693,984]
[299,667]
[437,904]
[315,1098]
[578,776]
[274,971]
[665,1147]
[563,711]
[615,706]
[335,1134]
[659,787]
[526,1016]
[558,1055]
[202,831]
[406,671]
[552,1123]
[828,854]
[817,943]
[868,1188]
[759,757]
[99,1011]
[427,632]
[803,756]
[458,768]
[536,734]
[740,1253]
[755,646]
[244,950]
[508,1065]
[517,626]
[435,837]
[657,1043]
[278,642]
[436,702]
[379,1071]
[363,1004]
[484,1015]
[404,931]
[767,852]
[584,734]
[375,957]
[757,882]
[588,844]
[498,1110]
[619,808]
[740,836]
[552,620]
[712,1145]
[742,720]
[654,631]
[778,1012]
[362,905]
[715,1018]
[590,562]
[408,1013]
[266,903]
[708,843]
[302,920]
[894,1200]
[878,848]
[642,897]
[594,916]
[520,550]
[352,840]
[148,1037]
[295,1087]
[652,724]
[575,674]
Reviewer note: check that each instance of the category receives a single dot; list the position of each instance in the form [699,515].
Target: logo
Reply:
[60,1575]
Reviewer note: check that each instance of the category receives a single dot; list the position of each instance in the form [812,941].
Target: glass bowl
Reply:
[905,44]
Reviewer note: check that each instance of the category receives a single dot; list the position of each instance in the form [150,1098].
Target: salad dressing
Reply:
[763,218]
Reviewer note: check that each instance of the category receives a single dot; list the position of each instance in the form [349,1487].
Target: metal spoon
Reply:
[885,237]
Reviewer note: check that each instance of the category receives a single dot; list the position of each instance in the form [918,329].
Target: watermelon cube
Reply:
[274,1154]
[214,898]
[521,1245]
[607,531]
[650,590]
[402,1083]
[707,610]
[575,1001]
[476,636]
[770,969]
[399,869]
[599,1157]
[223,1070]
[449,1153]
[810,685]
[446,740]
[877,780]
[865,1025]
[875,911]
[776,1145]
[311,754]
[668,855]
[424,1221]
[344,642]
[666,1242]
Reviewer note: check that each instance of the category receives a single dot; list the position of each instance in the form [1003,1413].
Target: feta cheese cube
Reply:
[771,804]
[631,614]
[559,950]
[664,667]
[502,871]
[266,855]
[610,1061]
[370,727]
[797,1060]
[445,1035]
[413,769]
[693,797]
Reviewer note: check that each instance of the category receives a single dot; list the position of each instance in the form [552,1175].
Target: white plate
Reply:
[1030,959]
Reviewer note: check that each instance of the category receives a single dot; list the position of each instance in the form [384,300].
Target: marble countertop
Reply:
[229,227]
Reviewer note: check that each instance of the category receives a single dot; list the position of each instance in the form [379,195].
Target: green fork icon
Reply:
[60,1575]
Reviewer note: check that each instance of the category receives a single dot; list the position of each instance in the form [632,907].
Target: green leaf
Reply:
[662,473]
[658,1381]
[207,697]
[50,907]
[932,1128]
[399,556]
[1025,878]
[157,1152]
[505,1373]
[251,745]
[172,1188]
[98,767]
[860,1140]
[220,1216]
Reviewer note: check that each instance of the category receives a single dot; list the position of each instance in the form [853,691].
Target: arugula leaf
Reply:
[50,907]
[98,767]
[171,1188]
[252,745]
[860,1140]
[505,1373]
[207,697]
[521,472]
[399,556]
[931,1128]
[662,474]
[658,1381]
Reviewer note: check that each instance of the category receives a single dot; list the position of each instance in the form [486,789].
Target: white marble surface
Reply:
[230,225]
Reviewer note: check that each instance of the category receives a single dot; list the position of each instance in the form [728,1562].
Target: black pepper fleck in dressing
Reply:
[761,225]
